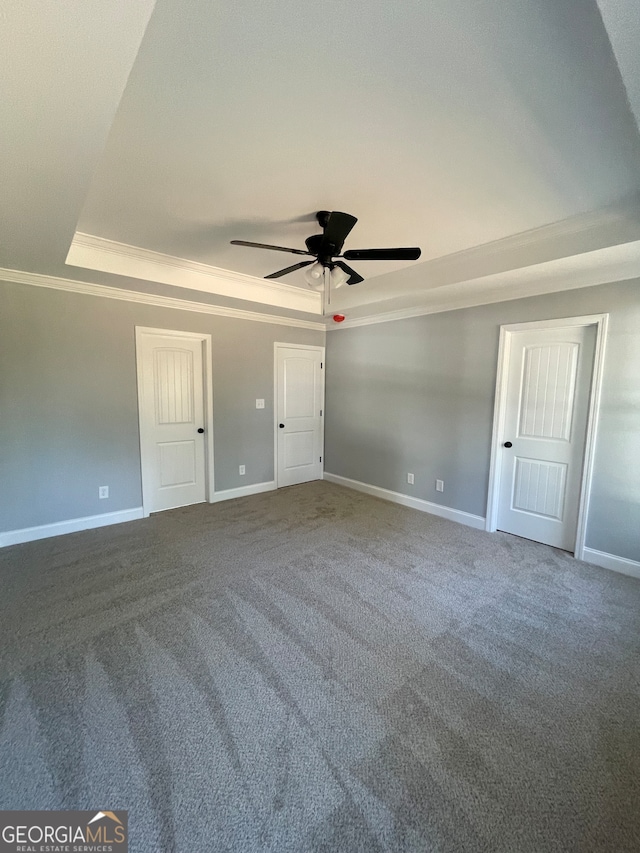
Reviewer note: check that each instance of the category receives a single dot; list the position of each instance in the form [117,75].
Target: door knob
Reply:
[507,444]
[281,426]
[200,430]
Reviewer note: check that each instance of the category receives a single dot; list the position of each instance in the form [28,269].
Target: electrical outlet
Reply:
[103,492]
[439,485]
[410,479]
[259,404]
[241,470]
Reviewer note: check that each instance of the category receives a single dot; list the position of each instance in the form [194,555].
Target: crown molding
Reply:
[88,289]
[604,266]
[98,253]
[615,263]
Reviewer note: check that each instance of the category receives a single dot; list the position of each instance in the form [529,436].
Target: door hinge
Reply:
[320,412]
[320,365]
[321,458]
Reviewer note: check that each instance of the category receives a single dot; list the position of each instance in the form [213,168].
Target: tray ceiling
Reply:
[451,125]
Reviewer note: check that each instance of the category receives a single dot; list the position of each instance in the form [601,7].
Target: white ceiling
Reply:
[450,125]
[64,66]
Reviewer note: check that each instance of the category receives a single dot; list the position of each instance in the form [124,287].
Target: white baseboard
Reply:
[73,525]
[458,515]
[243,491]
[610,561]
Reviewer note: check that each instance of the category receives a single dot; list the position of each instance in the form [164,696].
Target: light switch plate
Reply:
[259,404]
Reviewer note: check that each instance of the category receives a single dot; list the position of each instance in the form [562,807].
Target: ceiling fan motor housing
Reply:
[314,243]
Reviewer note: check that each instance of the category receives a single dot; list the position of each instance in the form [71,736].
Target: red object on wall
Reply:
[338,318]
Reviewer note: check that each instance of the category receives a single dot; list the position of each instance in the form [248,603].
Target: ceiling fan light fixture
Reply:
[315,276]
[338,277]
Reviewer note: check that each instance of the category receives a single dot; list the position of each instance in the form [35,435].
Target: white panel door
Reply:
[300,392]
[172,441]
[549,382]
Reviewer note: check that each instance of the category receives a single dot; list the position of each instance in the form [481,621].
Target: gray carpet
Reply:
[318,670]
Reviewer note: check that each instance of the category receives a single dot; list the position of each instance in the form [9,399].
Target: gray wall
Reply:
[68,400]
[417,395]
[412,395]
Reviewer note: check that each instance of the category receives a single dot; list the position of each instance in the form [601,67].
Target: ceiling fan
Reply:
[325,248]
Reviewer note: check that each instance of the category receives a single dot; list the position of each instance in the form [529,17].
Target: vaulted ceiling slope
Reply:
[498,136]
[64,65]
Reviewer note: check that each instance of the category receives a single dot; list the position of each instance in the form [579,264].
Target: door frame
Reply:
[207,392]
[319,349]
[600,321]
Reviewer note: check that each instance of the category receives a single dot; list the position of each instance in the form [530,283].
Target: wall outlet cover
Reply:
[410,479]
[103,492]
[439,485]
[259,404]
[242,470]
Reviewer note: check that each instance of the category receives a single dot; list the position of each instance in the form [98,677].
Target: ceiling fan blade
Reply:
[337,227]
[266,246]
[382,254]
[354,277]
[290,269]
